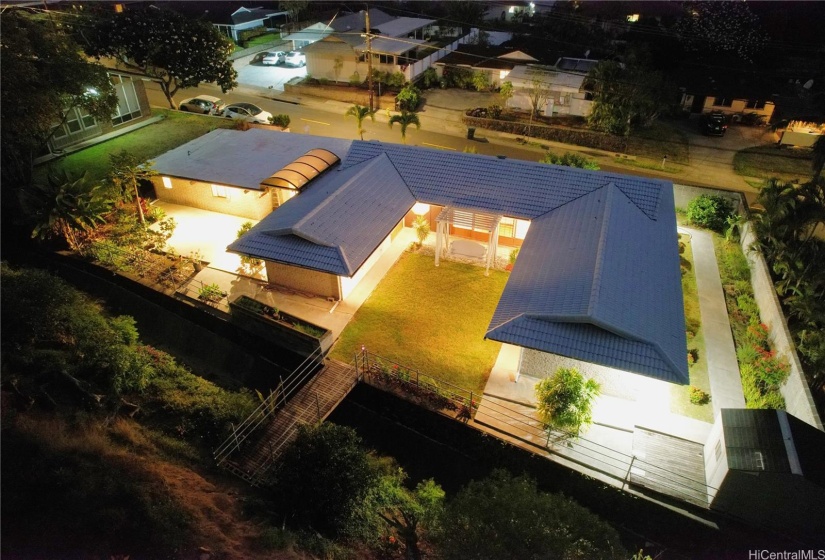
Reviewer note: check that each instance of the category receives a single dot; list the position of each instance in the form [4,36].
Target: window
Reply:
[167,182]
[128,107]
[755,104]
[507,227]
[384,58]
[722,101]
[362,57]
[220,191]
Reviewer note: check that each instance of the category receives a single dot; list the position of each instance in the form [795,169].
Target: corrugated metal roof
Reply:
[400,26]
[335,223]
[391,45]
[243,159]
[597,280]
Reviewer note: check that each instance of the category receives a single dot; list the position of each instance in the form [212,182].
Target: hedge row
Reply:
[585,138]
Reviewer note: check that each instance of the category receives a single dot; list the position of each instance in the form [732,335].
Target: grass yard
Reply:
[430,319]
[680,394]
[663,138]
[146,143]
[770,161]
[263,39]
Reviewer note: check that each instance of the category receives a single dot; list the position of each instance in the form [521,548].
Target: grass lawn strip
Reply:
[430,318]
[174,130]
[770,161]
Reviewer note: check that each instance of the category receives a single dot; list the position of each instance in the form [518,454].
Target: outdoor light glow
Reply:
[167,182]
[91,91]
[419,208]
[633,18]
[503,74]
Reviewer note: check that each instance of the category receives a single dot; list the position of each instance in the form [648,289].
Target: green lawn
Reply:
[430,319]
[262,39]
[663,138]
[680,394]
[771,161]
[146,143]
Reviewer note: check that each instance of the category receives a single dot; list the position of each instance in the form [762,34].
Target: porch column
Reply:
[492,247]
[438,242]
[520,358]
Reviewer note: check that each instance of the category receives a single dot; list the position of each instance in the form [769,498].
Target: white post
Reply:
[520,358]
[437,242]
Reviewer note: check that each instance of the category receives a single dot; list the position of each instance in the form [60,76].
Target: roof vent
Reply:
[297,174]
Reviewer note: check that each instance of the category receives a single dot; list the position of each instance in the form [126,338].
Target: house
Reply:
[308,35]
[598,274]
[342,54]
[495,62]
[767,467]
[510,10]
[564,82]
[132,107]
[246,18]
[734,91]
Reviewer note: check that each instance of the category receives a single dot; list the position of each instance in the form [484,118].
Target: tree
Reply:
[408,98]
[322,477]
[295,8]
[565,400]
[508,518]
[569,159]
[404,120]
[178,51]
[818,159]
[360,113]
[45,76]
[538,92]
[720,27]
[125,174]
[505,92]
[64,207]
[337,66]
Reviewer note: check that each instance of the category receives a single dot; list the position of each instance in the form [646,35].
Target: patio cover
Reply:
[391,45]
[468,220]
[599,281]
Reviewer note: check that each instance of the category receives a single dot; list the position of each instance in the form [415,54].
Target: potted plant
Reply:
[513,257]
[196,257]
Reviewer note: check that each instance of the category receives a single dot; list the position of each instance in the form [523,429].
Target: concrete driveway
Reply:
[267,77]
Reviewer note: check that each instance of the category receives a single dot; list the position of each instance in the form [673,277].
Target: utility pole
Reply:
[369,57]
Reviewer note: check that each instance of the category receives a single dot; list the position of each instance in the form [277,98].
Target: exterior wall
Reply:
[484,237]
[737,106]
[798,399]
[322,64]
[245,203]
[349,284]
[560,102]
[715,468]
[304,280]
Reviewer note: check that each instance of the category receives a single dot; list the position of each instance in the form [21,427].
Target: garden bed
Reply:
[285,330]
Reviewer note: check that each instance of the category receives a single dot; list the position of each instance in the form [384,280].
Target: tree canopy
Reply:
[565,400]
[178,51]
[509,518]
[721,27]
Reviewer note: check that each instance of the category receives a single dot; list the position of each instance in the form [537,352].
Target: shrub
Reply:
[570,159]
[408,98]
[698,396]
[710,211]
[210,292]
[747,354]
[494,111]
[280,120]
[429,78]
[481,81]
[355,79]
[734,264]
[748,306]
[565,400]
[422,228]
[757,336]
[458,77]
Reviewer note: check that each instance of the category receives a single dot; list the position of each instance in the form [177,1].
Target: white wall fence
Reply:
[798,399]
[417,68]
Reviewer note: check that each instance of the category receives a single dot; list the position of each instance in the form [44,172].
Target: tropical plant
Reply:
[250,262]
[404,120]
[564,401]
[408,98]
[211,293]
[280,120]
[360,113]
[481,80]
[65,207]
[125,174]
[505,92]
[175,50]
[710,211]
[570,159]
[422,229]
[429,78]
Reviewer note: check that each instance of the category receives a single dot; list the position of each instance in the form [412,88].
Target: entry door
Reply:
[698,103]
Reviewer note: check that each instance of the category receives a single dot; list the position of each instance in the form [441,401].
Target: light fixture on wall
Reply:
[167,182]
[419,208]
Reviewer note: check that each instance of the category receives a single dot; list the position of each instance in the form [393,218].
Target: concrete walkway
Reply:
[723,368]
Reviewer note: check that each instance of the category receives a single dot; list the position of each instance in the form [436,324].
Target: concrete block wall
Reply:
[245,203]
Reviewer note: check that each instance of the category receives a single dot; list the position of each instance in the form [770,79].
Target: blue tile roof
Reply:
[598,280]
[336,222]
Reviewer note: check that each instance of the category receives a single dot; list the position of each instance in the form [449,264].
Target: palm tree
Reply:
[360,113]
[405,119]
[65,207]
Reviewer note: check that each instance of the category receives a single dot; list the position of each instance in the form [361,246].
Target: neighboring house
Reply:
[597,276]
[308,35]
[564,80]
[132,106]
[248,18]
[237,173]
[768,467]
[342,54]
[510,10]
[495,62]
[736,93]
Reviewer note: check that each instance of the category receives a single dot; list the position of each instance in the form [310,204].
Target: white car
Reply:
[247,112]
[273,58]
[295,59]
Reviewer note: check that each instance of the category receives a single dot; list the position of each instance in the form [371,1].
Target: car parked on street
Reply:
[273,58]
[247,112]
[295,59]
[203,104]
[714,124]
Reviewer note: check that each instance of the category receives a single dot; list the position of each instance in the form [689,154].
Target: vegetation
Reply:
[509,518]
[570,159]
[422,229]
[250,263]
[505,92]
[360,113]
[280,120]
[564,401]
[404,120]
[710,211]
[770,161]
[408,98]
[159,43]
[719,28]
[457,354]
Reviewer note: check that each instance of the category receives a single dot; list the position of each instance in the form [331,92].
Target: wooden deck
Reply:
[669,465]
[310,405]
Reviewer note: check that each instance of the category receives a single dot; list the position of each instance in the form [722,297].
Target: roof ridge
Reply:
[595,287]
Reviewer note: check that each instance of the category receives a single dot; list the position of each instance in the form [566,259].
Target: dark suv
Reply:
[714,124]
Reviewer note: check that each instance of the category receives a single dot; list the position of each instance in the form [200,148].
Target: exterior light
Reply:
[167,182]
[419,208]
[91,91]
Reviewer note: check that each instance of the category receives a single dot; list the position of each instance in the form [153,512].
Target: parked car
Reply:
[204,104]
[295,59]
[247,112]
[714,124]
[273,58]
